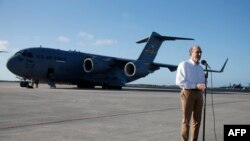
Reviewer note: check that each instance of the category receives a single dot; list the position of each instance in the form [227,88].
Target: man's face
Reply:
[196,54]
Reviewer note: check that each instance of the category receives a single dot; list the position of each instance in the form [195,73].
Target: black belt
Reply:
[192,89]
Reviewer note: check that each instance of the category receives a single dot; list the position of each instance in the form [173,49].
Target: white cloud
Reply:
[63,39]
[92,41]
[85,35]
[104,42]
[4,44]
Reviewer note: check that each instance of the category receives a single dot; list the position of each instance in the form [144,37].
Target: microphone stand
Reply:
[204,110]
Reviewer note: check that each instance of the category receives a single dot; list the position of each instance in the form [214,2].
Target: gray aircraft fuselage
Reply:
[87,70]
[66,66]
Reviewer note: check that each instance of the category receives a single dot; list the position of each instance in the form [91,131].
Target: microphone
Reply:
[204,62]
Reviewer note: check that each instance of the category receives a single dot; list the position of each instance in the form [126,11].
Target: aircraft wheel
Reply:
[24,84]
[118,88]
[115,87]
[85,86]
[21,84]
[105,86]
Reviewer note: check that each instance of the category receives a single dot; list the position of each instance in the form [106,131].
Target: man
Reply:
[191,78]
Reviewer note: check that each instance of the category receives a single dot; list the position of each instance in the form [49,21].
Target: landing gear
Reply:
[52,84]
[51,78]
[105,86]
[85,86]
[25,84]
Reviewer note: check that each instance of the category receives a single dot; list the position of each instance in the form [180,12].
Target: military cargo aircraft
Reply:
[85,70]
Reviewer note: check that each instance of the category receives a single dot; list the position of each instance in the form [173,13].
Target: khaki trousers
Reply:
[192,102]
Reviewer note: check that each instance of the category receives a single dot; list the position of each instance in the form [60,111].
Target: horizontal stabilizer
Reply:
[163,38]
[142,41]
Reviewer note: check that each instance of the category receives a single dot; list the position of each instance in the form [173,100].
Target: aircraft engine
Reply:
[136,69]
[93,65]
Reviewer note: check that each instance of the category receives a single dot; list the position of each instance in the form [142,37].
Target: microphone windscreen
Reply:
[203,62]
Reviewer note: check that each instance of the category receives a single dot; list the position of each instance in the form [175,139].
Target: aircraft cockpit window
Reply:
[25,53]
[17,53]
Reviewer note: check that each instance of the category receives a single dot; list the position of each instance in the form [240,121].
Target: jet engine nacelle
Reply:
[93,65]
[136,69]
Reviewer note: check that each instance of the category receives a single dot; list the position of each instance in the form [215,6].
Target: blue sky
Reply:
[111,27]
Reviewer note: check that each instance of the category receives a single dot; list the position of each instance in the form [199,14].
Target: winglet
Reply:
[222,68]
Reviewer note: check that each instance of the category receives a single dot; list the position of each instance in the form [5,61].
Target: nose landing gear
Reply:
[25,84]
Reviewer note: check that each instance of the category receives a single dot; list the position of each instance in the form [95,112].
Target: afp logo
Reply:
[236,132]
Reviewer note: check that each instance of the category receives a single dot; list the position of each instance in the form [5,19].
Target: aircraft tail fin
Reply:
[153,44]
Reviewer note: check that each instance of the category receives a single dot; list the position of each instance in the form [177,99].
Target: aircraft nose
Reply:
[11,63]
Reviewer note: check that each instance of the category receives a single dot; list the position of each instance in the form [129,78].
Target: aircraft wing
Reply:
[170,67]
[173,68]
[221,70]
[122,62]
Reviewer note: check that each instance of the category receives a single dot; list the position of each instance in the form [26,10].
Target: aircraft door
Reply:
[51,78]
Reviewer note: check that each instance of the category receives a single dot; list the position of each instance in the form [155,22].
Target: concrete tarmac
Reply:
[71,114]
